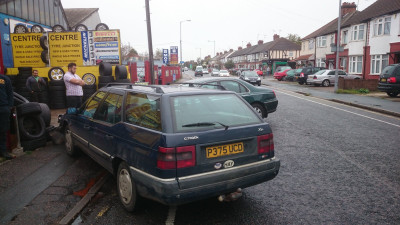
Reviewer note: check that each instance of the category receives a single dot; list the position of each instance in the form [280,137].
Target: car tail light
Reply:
[180,157]
[301,74]
[266,145]
[315,77]
[274,93]
[391,80]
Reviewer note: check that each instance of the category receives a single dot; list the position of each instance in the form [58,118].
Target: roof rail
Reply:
[220,87]
[157,89]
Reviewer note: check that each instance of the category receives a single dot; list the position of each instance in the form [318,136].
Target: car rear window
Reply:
[210,112]
[388,71]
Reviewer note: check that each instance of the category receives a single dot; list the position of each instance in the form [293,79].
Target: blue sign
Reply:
[85,46]
[165,56]
[182,62]
[174,49]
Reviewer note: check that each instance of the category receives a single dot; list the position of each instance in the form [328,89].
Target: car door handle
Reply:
[109,137]
[86,127]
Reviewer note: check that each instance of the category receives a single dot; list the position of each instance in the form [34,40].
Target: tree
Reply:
[158,54]
[127,51]
[294,38]
[229,64]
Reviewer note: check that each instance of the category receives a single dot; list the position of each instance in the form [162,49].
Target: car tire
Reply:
[32,145]
[260,110]
[28,108]
[53,83]
[70,147]
[126,188]
[102,26]
[58,28]
[37,29]
[45,114]
[105,69]
[20,29]
[301,83]
[120,72]
[80,27]
[392,94]
[44,43]
[259,83]
[57,88]
[56,73]
[89,79]
[326,83]
[106,79]
[45,56]
[31,127]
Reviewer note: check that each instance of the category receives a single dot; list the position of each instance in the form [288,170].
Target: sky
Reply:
[226,23]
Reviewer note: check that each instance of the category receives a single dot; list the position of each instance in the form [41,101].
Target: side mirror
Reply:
[72,111]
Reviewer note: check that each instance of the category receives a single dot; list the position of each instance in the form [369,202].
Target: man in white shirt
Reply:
[73,84]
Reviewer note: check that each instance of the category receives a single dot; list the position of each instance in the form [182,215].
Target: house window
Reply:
[358,32]
[290,54]
[355,64]
[382,26]
[345,37]
[343,63]
[332,39]
[321,62]
[378,62]
[321,41]
[311,44]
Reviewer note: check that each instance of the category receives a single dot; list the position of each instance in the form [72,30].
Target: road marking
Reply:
[171,216]
[344,110]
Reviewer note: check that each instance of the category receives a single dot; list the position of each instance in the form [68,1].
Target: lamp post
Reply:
[214,46]
[180,34]
[337,48]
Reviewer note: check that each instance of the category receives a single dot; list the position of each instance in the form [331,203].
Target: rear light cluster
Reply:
[266,145]
[179,157]
[315,77]
[391,80]
[301,74]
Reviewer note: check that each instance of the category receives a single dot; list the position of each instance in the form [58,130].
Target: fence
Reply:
[356,84]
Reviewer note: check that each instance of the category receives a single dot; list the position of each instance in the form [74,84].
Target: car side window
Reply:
[397,72]
[93,103]
[231,86]
[342,73]
[331,73]
[110,109]
[143,110]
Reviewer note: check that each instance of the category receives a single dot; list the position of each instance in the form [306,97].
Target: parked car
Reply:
[172,144]
[241,70]
[281,75]
[198,72]
[290,74]
[282,68]
[205,71]
[259,72]
[327,77]
[215,72]
[223,73]
[251,77]
[301,76]
[263,100]
[389,80]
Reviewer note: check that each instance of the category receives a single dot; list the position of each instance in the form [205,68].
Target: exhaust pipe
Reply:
[231,197]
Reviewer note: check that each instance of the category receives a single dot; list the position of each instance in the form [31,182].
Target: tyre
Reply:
[92,88]
[56,83]
[57,88]
[37,29]
[58,105]
[70,147]
[126,188]
[32,145]
[31,127]
[25,70]
[121,72]
[20,98]
[123,81]
[56,73]
[89,79]
[44,42]
[100,85]
[392,94]
[260,110]
[81,27]
[102,26]
[20,29]
[45,56]
[28,109]
[58,28]
[301,82]
[259,83]
[45,114]
[326,83]
[106,79]
[105,69]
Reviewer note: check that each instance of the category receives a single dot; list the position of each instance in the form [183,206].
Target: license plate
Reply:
[383,79]
[223,150]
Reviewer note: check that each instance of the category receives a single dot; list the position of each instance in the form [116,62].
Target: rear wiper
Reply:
[204,124]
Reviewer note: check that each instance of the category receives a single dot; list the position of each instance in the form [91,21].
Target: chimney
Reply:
[240,48]
[230,50]
[276,37]
[260,42]
[348,7]
[248,45]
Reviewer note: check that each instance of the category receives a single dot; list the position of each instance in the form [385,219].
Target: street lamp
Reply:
[180,34]
[214,45]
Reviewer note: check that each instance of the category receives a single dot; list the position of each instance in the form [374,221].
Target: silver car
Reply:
[215,72]
[327,77]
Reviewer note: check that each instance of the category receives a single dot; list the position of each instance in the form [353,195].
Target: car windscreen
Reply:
[223,71]
[251,74]
[388,71]
[290,72]
[320,72]
[208,112]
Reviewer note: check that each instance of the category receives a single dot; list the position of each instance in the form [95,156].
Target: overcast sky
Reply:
[229,23]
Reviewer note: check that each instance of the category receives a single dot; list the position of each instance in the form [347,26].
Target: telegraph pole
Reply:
[338,47]
[149,38]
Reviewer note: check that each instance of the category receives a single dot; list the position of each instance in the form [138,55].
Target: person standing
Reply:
[6,103]
[268,70]
[73,84]
[35,85]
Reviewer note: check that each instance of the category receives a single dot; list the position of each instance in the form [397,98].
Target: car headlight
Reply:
[258,78]
[246,78]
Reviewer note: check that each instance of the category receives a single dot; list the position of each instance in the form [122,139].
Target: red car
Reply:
[280,75]
[259,72]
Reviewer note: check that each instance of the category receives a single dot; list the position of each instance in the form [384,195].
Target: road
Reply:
[339,165]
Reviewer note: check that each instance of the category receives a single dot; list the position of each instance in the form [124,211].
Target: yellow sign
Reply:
[65,48]
[27,50]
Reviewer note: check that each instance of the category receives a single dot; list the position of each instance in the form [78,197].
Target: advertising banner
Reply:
[174,55]
[27,50]
[165,56]
[106,46]
[64,48]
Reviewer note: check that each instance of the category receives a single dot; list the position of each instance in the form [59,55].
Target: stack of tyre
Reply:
[33,122]
[90,88]
[105,71]
[121,74]
[57,88]
[20,83]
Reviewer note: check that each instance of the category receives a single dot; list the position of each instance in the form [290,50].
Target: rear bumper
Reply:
[271,105]
[201,186]
[388,87]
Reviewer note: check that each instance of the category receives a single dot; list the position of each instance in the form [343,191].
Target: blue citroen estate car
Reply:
[172,144]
